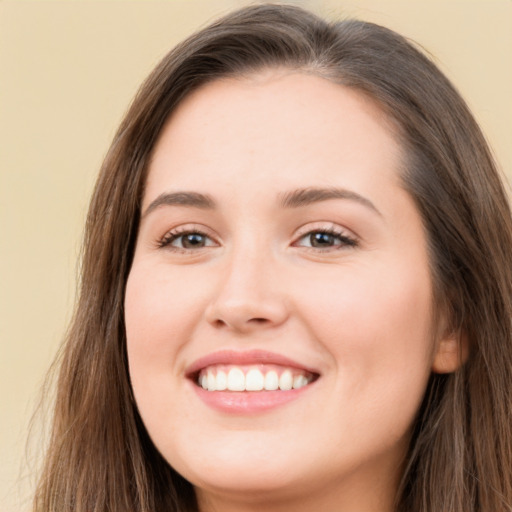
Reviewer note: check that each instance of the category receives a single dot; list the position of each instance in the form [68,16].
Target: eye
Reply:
[186,240]
[326,239]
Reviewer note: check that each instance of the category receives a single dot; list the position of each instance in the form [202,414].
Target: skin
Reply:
[361,315]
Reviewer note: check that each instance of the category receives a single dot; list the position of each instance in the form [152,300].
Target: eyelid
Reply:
[164,242]
[351,239]
[325,226]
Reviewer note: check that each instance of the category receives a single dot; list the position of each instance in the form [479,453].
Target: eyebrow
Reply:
[191,199]
[306,196]
[293,199]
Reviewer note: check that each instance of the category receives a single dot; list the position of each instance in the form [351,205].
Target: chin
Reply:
[234,481]
[250,485]
[247,472]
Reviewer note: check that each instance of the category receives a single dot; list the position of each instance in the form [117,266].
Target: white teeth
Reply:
[251,379]
[254,380]
[210,381]
[286,380]
[221,381]
[271,381]
[236,380]
[299,381]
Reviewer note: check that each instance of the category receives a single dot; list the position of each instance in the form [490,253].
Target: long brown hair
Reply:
[460,460]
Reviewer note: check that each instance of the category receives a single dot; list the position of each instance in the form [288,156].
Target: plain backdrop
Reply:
[68,70]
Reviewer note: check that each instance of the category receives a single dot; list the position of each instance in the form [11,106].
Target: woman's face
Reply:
[277,248]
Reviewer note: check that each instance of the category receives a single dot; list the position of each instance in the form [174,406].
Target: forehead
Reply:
[279,126]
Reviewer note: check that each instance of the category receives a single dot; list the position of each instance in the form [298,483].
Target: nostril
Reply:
[245,314]
[221,323]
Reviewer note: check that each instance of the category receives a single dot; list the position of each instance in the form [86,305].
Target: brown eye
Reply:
[321,239]
[191,240]
[186,240]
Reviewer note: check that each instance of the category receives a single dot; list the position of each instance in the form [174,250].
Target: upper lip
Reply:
[246,357]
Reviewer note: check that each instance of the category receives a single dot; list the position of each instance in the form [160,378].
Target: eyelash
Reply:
[345,240]
[175,234]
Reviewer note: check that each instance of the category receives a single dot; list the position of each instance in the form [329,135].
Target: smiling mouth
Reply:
[252,378]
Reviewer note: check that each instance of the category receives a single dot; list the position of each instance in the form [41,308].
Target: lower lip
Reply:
[248,402]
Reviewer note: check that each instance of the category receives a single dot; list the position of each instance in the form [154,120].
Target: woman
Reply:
[296,288]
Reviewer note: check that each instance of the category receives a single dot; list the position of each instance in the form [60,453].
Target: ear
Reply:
[452,352]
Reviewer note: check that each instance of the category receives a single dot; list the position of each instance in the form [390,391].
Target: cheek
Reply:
[160,307]
[161,313]
[377,327]
[373,308]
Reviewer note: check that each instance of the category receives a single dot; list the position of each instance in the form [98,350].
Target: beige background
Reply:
[67,72]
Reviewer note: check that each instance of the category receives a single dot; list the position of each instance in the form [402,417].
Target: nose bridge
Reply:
[249,263]
[248,295]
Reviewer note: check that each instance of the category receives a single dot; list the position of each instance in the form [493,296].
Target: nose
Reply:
[249,296]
